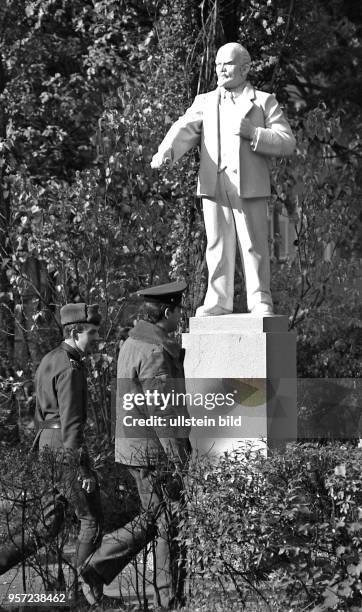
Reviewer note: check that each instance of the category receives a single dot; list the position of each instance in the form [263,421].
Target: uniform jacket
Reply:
[61,394]
[200,126]
[150,361]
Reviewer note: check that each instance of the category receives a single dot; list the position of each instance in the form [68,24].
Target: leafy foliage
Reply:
[275,533]
[291,519]
[87,90]
[32,493]
[90,88]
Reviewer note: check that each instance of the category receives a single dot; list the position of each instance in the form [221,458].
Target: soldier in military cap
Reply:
[61,414]
[155,453]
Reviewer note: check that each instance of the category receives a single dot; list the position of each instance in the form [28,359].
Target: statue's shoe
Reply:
[262,309]
[214,311]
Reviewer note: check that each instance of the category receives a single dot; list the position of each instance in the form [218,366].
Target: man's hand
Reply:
[88,484]
[247,129]
[162,159]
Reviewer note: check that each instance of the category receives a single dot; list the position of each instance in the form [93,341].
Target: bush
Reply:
[330,341]
[35,516]
[32,512]
[291,519]
[329,409]
[276,533]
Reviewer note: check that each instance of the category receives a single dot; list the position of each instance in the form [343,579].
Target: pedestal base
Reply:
[244,368]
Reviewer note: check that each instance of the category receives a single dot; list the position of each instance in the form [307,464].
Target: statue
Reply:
[237,128]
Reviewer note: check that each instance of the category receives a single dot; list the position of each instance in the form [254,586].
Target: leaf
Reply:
[331,599]
[340,470]
[29,10]
[354,570]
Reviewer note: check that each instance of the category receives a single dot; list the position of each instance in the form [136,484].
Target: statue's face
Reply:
[231,70]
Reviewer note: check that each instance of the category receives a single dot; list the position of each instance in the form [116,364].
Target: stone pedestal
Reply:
[244,367]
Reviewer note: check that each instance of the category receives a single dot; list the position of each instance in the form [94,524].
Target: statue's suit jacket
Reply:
[200,126]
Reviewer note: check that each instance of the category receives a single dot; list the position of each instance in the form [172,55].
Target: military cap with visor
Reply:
[168,293]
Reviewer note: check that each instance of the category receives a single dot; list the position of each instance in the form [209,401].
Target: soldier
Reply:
[155,453]
[61,414]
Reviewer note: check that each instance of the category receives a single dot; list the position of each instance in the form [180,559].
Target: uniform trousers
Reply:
[230,219]
[160,495]
[42,523]
[45,519]
[87,506]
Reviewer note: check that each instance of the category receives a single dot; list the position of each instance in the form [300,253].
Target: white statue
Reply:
[238,129]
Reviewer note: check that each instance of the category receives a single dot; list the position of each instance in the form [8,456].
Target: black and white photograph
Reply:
[180,305]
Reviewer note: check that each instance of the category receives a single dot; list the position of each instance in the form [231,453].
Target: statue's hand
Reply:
[162,159]
[247,129]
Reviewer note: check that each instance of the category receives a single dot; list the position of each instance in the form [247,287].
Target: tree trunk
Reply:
[39,332]
[6,300]
[229,15]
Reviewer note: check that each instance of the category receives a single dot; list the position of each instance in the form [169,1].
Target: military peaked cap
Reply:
[80,313]
[170,293]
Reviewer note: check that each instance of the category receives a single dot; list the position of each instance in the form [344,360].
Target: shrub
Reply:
[291,518]
[276,533]
[35,516]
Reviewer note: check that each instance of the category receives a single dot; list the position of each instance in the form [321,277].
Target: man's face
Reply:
[88,339]
[231,71]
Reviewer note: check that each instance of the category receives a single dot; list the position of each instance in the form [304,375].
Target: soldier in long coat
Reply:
[151,443]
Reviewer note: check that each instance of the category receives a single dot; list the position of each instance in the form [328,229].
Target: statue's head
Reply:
[232,65]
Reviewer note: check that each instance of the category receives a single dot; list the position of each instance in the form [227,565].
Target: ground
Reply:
[11,583]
